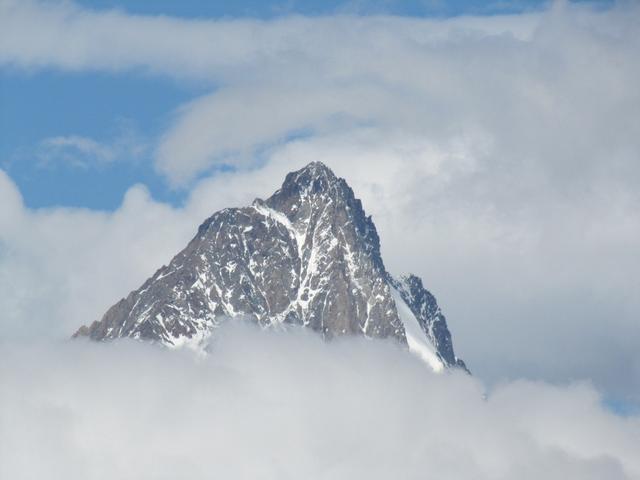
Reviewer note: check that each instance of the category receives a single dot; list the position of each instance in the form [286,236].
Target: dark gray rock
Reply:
[308,256]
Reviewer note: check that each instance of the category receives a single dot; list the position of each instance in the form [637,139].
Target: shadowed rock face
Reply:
[308,255]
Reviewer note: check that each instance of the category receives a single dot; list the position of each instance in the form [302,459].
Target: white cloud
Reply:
[498,157]
[540,100]
[539,84]
[79,151]
[291,406]
[62,267]
[61,34]
[74,150]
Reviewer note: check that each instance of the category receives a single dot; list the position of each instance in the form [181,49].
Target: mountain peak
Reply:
[314,179]
[314,170]
[308,256]
[314,199]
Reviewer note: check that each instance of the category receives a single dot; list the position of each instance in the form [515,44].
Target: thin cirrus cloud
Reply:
[74,150]
[84,152]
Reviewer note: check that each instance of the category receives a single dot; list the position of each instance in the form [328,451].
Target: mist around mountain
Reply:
[276,404]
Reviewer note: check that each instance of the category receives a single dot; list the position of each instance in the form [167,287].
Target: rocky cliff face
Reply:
[308,256]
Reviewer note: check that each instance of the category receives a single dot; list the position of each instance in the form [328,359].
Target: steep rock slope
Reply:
[308,256]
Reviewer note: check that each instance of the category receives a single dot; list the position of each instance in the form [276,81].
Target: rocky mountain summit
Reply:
[308,255]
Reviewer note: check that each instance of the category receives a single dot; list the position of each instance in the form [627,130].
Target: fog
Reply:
[283,405]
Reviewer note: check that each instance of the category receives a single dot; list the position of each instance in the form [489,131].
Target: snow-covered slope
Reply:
[416,339]
[308,255]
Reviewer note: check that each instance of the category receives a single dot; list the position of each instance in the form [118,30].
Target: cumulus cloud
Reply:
[63,265]
[278,405]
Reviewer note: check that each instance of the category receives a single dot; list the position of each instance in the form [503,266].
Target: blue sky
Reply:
[261,9]
[40,105]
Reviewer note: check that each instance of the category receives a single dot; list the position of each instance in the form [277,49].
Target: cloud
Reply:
[63,266]
[288,405]
[64,35]
[498,156]
[272,79]
[528,95]
[539,296]
[74,150]
[84,152]
[529,80]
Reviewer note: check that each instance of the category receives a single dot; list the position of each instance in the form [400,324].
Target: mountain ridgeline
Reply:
[308,256]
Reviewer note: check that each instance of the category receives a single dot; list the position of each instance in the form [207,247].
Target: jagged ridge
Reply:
[308,255]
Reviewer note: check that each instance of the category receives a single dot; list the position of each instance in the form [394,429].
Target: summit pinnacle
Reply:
[308,255]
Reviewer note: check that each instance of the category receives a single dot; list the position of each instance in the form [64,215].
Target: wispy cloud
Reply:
[74,150]
[84,152]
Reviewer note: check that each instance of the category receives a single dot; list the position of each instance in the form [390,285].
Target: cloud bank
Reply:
[276,405]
